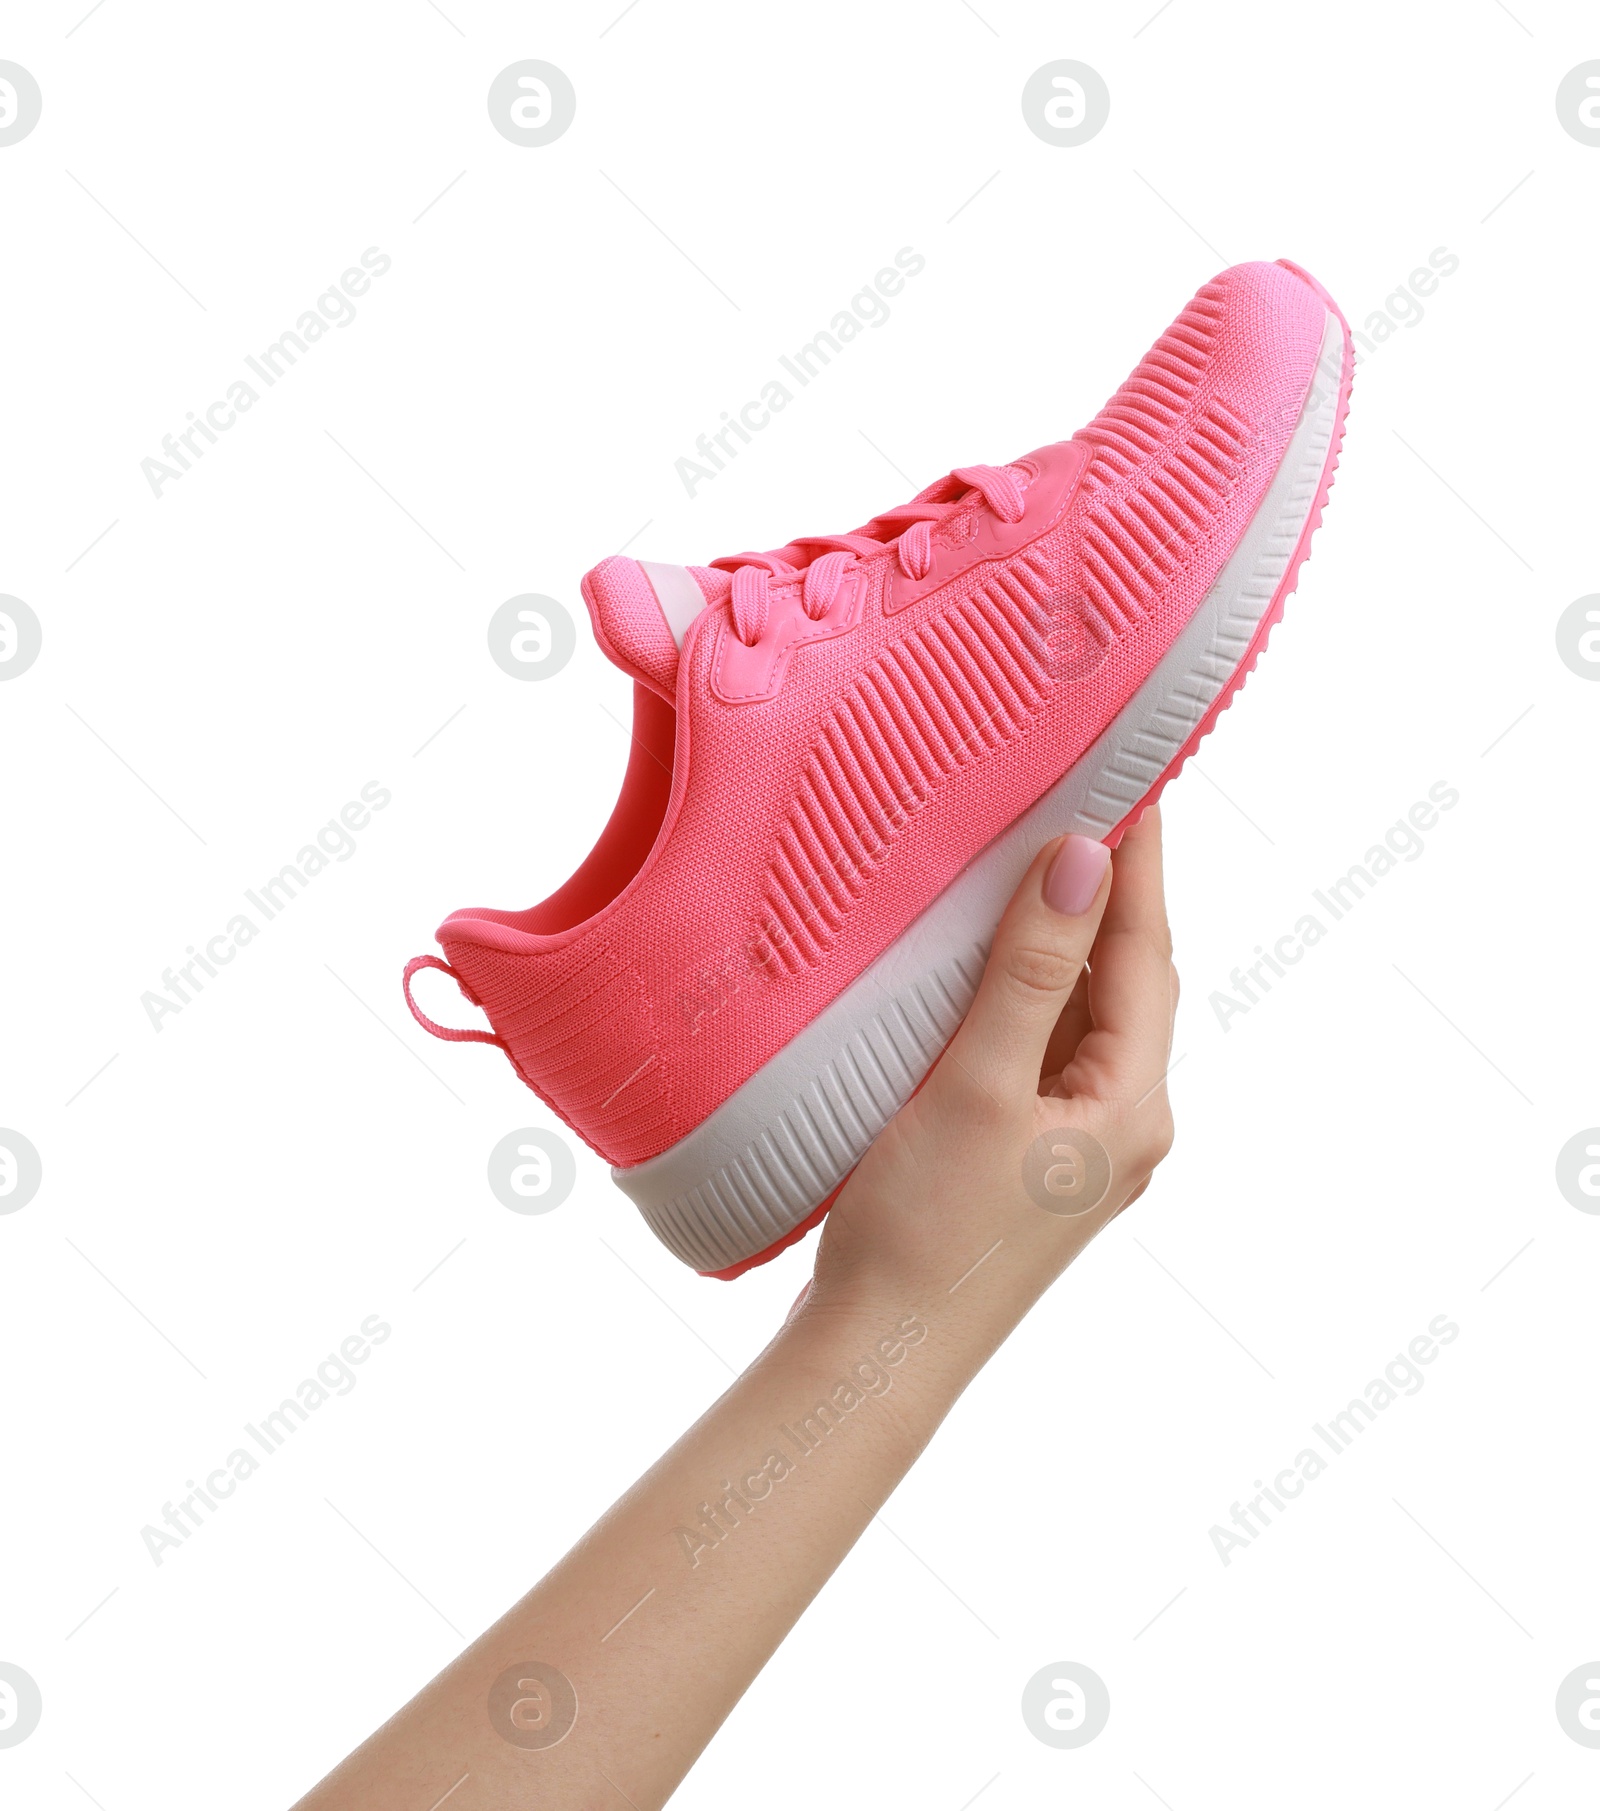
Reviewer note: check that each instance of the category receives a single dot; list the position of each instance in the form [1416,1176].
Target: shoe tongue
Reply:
[642,610]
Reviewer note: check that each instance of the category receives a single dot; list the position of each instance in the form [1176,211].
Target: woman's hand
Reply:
[1043,1119]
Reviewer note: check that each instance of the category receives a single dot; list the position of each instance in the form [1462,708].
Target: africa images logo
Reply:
[335,307]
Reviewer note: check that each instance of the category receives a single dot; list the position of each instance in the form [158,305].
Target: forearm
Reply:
[668,1608]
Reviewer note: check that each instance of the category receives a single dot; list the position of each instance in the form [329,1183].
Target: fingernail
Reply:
[1073,878]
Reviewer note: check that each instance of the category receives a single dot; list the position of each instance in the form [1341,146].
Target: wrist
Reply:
[906,1341]
[868,1358]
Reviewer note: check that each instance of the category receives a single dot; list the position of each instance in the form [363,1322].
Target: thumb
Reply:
[1038,953]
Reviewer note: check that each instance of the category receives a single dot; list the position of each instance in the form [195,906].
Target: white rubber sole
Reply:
[774,1151]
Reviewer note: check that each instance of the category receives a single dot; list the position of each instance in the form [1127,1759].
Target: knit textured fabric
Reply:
[838,754]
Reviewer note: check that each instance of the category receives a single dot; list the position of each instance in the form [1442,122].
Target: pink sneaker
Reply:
[848,750]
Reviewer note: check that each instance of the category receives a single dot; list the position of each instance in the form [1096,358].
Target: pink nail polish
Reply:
[1073,878]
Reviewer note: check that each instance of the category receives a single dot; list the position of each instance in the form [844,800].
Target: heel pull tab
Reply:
[449,1033]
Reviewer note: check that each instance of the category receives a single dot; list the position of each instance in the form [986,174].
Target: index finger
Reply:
[1138,903]
[1131,996]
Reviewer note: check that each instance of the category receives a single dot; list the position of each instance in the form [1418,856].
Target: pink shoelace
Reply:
[825,559]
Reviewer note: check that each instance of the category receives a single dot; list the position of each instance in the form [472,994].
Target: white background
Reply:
[1367,1148]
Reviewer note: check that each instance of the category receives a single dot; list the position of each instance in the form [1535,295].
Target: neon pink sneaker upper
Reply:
[826,734]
